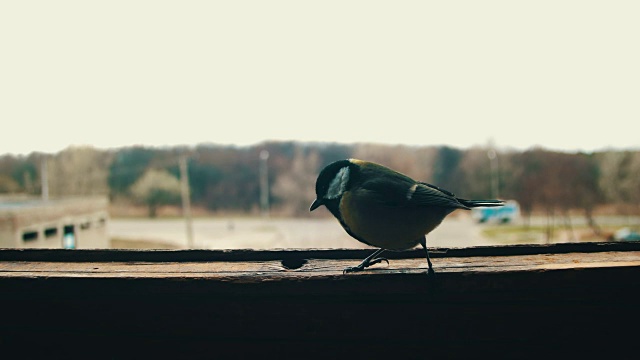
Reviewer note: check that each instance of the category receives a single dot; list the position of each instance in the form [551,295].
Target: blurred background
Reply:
[165,124]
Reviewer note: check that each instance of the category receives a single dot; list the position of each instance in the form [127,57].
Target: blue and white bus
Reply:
[501,214]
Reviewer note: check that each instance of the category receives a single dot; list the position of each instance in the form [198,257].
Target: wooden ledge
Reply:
[126,255]
[247,266]
[311,265]
[549,301]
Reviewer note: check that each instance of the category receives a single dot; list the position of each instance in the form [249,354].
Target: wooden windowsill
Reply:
[526,301]
[305,264]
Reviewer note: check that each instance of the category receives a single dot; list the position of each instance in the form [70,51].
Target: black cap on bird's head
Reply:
[332,182]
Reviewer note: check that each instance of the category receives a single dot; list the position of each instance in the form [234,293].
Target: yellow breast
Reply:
[388,227]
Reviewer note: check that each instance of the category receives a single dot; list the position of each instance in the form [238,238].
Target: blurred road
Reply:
[259,233]
[457,230]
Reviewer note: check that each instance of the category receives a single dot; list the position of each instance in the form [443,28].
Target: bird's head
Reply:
[332,182]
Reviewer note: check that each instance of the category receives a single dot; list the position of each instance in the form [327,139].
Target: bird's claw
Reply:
[363,266]
[352,269]
[377,261]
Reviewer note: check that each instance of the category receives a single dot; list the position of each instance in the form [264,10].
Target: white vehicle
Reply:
[501,214]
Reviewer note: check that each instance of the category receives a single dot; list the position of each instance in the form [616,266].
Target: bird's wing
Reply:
[399,190]
[424,194]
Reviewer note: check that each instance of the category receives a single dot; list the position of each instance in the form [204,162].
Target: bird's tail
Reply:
[481,203]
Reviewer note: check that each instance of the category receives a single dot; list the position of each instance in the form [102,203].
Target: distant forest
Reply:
[227,178]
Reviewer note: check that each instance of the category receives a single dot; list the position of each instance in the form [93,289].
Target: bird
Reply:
[384,208]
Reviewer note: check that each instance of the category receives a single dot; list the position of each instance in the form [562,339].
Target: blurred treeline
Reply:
[227,178]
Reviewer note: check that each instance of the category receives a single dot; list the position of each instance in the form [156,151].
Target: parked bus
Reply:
[501,214]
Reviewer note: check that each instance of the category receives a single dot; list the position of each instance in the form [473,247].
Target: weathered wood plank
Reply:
[314,267]
[101,255]
[516,302]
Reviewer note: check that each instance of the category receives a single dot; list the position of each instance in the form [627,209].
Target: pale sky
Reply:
[559,74]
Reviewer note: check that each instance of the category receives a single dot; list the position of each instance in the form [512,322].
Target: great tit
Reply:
[384,208]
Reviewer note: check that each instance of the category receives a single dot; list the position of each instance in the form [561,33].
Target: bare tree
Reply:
[412,161]
[8,185]
[630,182]
[619,178]
[79,171]
[475,169]
[156,188]
[295,188]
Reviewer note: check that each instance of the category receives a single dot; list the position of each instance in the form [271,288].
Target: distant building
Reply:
[77,223]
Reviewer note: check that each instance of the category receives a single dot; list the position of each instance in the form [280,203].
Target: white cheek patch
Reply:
[339,184]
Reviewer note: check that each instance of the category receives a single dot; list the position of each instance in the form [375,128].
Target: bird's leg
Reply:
[423,242]
[368,261]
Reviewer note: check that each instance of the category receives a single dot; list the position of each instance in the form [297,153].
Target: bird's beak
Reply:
[316,204]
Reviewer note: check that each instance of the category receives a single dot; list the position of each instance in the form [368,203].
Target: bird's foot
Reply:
[365,264]
[377,261]
[353,269]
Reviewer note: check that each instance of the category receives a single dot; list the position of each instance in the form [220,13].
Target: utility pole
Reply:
[495,185]
[186,199]
[264,183]
[44,177]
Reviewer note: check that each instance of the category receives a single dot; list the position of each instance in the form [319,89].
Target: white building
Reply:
[76,223]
